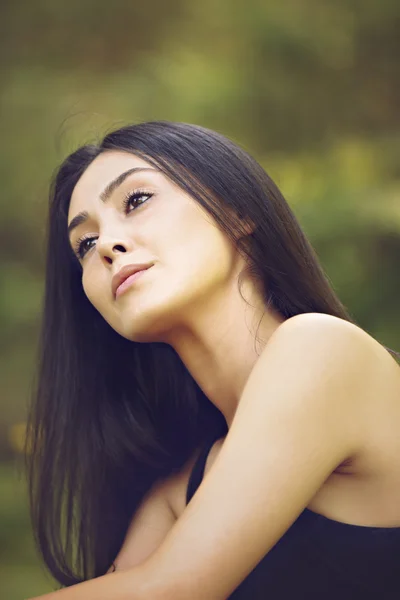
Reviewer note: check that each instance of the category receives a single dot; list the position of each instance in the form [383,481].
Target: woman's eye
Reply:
[132,198]
[83,245]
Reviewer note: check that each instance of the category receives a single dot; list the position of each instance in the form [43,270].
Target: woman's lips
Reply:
[129,281]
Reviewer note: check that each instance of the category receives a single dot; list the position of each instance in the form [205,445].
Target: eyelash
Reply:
[78,246]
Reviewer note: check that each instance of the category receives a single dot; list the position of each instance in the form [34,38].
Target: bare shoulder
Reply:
[346,340]
[379,404]
[328,327]
[313,321]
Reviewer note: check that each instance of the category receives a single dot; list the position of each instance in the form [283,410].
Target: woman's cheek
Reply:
[92,288]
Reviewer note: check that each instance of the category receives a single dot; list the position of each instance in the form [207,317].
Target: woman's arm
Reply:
[303,411]
[148,527]
[119,585]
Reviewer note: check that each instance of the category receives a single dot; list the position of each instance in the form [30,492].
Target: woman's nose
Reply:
[110,247]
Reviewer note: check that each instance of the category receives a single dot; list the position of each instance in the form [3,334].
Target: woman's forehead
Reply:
[105,168]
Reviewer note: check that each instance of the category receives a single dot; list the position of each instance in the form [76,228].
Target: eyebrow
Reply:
[106,194]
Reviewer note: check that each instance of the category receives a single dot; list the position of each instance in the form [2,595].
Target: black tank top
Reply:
[320,559]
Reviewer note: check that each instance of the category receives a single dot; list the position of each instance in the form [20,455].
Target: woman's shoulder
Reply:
[378,360]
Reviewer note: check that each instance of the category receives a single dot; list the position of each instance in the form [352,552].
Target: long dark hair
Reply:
[111,417]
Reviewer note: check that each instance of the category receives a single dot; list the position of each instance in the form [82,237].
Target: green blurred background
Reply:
[310,87]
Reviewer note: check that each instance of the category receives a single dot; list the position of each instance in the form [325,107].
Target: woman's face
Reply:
[144,218]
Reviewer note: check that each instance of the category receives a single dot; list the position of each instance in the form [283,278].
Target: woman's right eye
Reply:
[83,246]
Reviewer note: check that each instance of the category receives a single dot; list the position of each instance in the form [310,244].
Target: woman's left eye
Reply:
[133,197]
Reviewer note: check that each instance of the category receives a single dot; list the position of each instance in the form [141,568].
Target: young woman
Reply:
[209,422]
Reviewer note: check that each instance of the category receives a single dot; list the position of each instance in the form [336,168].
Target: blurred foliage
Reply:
[21,573]
[309,87]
